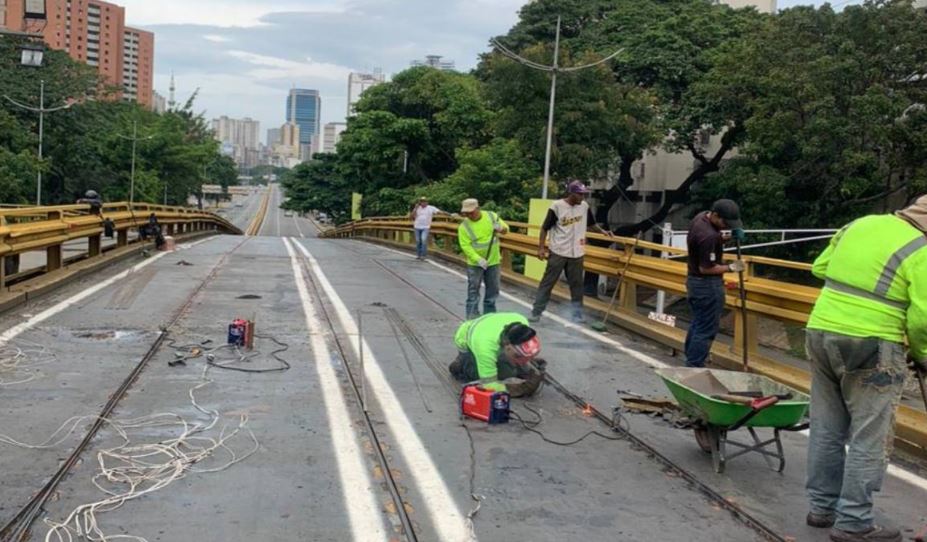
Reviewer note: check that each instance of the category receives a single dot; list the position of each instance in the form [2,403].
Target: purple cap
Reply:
[577,187]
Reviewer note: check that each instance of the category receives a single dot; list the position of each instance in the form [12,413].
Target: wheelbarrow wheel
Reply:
[704,437]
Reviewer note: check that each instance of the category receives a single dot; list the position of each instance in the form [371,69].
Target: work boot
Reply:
[534,318]
[876,533]
[456,370]
[579,318]
[820,521]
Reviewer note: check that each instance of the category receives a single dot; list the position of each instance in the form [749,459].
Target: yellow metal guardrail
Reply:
[26,229]
[254,227]
[766,298]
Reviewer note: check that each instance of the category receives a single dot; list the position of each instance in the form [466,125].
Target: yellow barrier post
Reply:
[537,211]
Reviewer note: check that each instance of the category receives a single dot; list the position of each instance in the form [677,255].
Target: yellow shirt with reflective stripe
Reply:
[482,230]
[883,257]
[482,338]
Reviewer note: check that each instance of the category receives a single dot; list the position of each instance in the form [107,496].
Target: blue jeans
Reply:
[706,303]
[476,275]
[421,242]
[856,385]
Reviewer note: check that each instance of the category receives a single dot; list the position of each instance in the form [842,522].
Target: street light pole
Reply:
[38,185]
[135,139]
[550,113]
[41,110]
[554,69]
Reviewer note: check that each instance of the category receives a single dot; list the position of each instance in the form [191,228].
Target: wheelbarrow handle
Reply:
[756,406]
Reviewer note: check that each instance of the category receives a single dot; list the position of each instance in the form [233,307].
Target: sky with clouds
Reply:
[244,55]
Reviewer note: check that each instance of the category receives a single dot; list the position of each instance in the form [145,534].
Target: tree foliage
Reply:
[86,146]
[809,117]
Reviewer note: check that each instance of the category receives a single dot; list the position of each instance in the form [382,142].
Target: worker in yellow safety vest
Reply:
[874,298]
[478,236]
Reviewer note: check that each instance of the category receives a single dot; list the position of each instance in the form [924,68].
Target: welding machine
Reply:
[486,405]
[241,333]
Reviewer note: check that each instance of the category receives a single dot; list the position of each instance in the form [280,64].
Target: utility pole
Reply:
[134,139]
[41,110]
[553,69]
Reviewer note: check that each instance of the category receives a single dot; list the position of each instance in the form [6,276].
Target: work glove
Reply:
[918,365]
[739,234]
[737,266]
[483,263]
[499,228]
[540,365]
[518,387]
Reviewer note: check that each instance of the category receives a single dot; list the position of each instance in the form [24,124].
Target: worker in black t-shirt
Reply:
[705,284]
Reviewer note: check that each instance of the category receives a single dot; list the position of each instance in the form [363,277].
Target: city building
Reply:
[158,103]
[434,61]
[243,136]
[273,136]
[138,66]
[358,83]
[304,108]
[332,135]
[763,6]
[286,153]
[93,32]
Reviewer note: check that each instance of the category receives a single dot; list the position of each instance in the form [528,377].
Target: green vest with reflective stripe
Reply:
[474,239]
[870,269]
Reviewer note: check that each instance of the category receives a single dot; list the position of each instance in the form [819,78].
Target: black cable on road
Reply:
[739,513]
[17,529]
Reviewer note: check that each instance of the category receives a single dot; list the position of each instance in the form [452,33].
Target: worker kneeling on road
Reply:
[496,350]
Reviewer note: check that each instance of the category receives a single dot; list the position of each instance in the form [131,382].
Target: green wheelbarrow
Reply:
[720,402]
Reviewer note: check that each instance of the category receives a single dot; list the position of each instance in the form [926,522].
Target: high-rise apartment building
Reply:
[94,32]
[243,135]
[274,136]
[358,83]
[304,108]
[332,135]
[434,61]
[138,66]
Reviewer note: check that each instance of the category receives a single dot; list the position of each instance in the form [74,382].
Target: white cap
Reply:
[469,205]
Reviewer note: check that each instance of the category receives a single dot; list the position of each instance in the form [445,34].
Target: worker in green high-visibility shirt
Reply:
[499,351]
[874,299]
[478,237]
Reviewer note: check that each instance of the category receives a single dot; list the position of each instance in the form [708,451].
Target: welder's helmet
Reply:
[91,194]
[524,342]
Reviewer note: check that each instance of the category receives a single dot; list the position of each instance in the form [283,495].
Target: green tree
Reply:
[317,186]
[835,127]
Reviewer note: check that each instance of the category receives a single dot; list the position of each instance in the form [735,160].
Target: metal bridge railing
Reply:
[652,266]
[27,229]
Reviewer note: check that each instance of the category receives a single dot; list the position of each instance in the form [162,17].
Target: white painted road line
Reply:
[357,490]
[904,475]
[449,522]
[11,333]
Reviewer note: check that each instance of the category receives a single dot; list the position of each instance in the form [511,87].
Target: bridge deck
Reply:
[316,473]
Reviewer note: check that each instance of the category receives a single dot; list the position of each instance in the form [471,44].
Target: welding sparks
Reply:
[587,410]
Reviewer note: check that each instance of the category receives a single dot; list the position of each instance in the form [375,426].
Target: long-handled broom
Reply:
[601,326]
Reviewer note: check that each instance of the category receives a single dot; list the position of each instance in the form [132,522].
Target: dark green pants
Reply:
[464,368]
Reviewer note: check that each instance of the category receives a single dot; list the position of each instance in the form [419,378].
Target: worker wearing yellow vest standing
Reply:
[874,296]
[478,236]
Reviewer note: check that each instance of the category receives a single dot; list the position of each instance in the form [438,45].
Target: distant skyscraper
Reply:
[243,135]
[435,61]
[273,136]
[304,108]
[358,83]
[332,136]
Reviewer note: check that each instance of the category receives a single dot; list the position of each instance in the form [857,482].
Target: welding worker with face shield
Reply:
[499,351]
